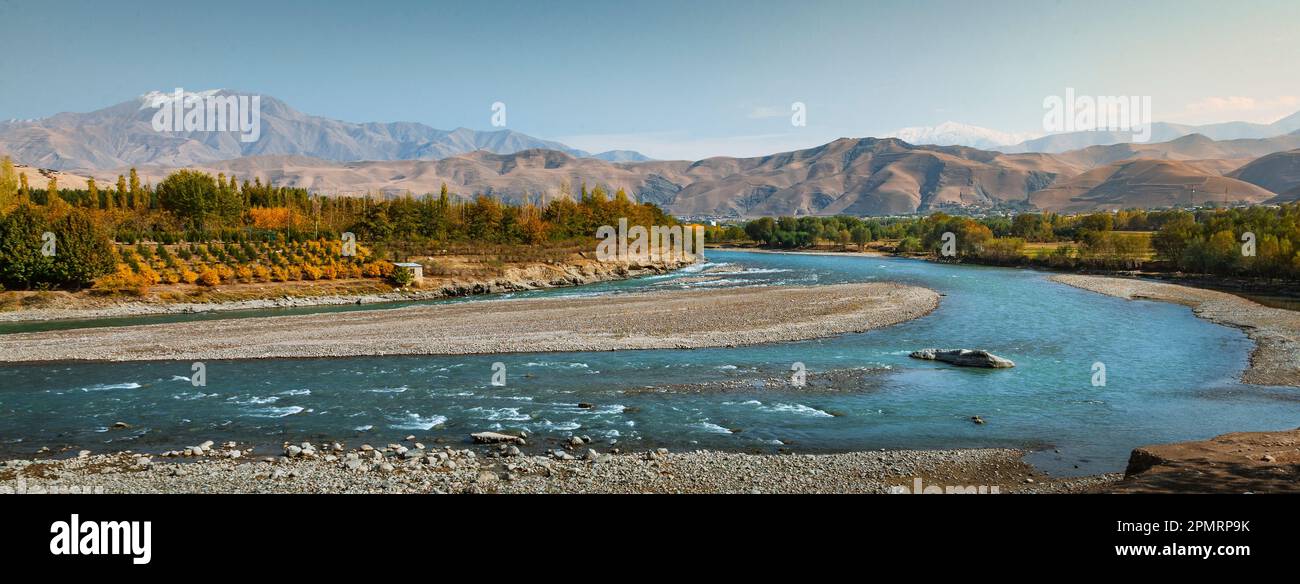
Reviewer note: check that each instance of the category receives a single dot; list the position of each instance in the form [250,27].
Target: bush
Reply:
[209,277]
[122,281]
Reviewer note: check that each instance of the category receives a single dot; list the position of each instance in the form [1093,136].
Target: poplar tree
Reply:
[92,200]
[135,189]
[8,183]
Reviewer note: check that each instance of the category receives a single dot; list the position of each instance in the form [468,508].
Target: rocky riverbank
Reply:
[413,468]
[679,319]
[1276,332]
[1241,462]
[530,276]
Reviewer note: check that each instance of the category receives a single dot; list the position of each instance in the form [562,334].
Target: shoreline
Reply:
[413,468]
[515,279]
[644,320]
[1275,360]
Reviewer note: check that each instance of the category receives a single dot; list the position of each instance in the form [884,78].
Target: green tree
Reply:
[194,197]
[121,195]
[84,251]
[92,194]
[861,235]
[137,198]
[22,264]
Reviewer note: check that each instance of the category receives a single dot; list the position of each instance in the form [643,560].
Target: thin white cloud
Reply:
[1237,108]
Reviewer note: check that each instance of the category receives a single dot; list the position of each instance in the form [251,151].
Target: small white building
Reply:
[416,270]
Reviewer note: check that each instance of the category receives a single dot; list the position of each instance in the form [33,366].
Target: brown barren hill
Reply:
[1145,183]
[1278,172]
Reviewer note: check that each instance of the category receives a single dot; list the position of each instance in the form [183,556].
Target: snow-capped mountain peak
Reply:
[957,134]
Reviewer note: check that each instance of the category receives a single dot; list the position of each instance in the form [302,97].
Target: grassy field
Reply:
[1043,249]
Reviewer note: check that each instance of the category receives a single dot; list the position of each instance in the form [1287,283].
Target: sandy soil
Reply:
[1241,462]
[1276,332]
[669,319]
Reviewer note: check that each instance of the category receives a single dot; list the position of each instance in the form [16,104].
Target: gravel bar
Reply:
[655,320]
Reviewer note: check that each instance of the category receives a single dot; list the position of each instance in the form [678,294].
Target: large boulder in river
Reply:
[964,358]
[495,438]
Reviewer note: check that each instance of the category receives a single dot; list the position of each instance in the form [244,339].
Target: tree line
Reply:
[190,206]
[1259,241]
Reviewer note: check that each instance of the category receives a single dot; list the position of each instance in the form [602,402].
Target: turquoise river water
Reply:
[1169,376]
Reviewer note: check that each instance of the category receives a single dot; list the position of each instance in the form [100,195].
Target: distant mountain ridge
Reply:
[863,176]
[859,176]
[122,135]
[1160,132]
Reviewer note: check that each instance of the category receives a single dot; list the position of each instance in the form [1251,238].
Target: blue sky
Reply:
[672,79]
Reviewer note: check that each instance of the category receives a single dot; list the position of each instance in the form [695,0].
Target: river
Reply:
[1169,376]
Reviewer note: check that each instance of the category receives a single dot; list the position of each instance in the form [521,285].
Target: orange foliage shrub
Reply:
[209,277]
[122,281]
[270,217]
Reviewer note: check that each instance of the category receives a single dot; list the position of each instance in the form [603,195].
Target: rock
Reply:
[83,454]
[207,445]
[352,464]
[410,438]
[120,425]
[977,419]
[487,477]
[964,358]
[592,455]
[575,441]
[495,438]
[585,405]
[293,451]
[513,451]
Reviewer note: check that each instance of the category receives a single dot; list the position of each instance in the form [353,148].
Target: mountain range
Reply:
[123,135]
[859,176]
[863,176]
